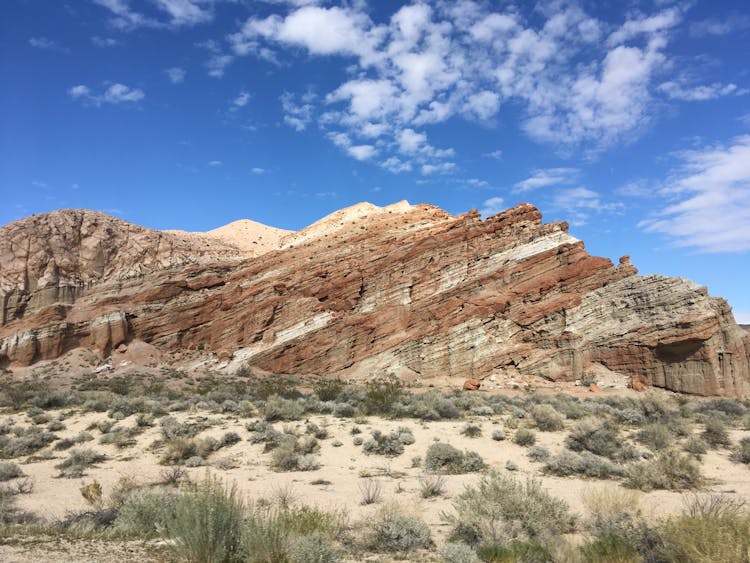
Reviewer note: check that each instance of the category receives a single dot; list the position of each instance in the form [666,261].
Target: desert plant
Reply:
[370,491]
[389,445]
[741,452]
[431,486]
[597,436]
[710,529]
[382,394]
[458,552]
[9,470]
[77,462]
[568,463]
[393,531]
[656,436]
[715,434]
[146,512]
[546,418]
[501,508]
[208,523]
[695,445]
[670,470]
[471,430]
[524,437]
[538,453]
[295,454]
[313,548]
[445,458]
[498,435]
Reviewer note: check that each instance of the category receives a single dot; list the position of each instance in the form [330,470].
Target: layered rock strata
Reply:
[407,290]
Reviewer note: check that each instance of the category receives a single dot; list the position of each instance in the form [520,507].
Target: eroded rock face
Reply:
[404,290]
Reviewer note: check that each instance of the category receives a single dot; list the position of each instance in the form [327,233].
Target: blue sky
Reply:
[630,120]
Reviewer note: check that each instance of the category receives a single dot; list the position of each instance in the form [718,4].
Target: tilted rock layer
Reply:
[405,290]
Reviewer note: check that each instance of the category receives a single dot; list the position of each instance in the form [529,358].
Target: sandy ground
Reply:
[343,470]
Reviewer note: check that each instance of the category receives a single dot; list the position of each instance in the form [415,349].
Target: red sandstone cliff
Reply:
[409,290]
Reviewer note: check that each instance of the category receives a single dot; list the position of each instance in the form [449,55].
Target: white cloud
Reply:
[218,64]
[176,74]
[241,100]
[709,199]
[678,91]
[645,25]
[492,206]
[105,41]
[496,154]
[258,170]
[297,114]
[46,44]
[115,94]
[714,26]
[215,163]
[440,168]
[178,13]
[427,64]
[577,203]
[547,177]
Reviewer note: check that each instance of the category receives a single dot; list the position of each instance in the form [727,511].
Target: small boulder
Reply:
[594,388]
[472,385]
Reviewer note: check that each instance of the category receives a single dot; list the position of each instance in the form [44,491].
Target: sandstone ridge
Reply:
[405,289]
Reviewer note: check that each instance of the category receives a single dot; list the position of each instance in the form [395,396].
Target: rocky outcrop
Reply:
[404,290]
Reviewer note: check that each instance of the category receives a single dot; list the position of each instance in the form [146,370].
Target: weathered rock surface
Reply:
[406,290]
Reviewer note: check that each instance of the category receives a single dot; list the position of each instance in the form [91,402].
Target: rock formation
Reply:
[406,290]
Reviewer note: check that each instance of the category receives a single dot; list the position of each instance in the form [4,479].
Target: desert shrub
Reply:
[538,453]
[370,491]
[498,435]
[431,486]
[471,430]
[177,450]
[524,437]
[78,461]
[317,431]
[277,408]
[382,395]
[264,433]
[656,436]
[405,435]
[432,406]
[230,438]
[264,538]
[669,470]
[502,508]
[447,459]
[295,454]
[328,389]
[9,470]
[388,445]
[546,418]
[568,463]
[715,434]
[171,428]
[710,529]
[458,552]
[208,523]
[599,437]
[695,445]
[313,548]
[146,512]
[26,441]
[121,437]
[393,531]
[610,548]
[530,550]
[741,452]
[511,465]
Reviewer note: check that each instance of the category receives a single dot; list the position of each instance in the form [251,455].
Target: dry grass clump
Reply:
[78,461]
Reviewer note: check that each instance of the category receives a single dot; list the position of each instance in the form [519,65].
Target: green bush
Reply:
[501,508]
[445,458]
[146,512]
[457,552]
[531,551]
[9,470]
[389,445]
[313,548]
[716,434]
[278,408]
[656,436]
[296,454]
[546,418]
[471,430]
[392,531]
[78,461]
[524,437]
[382,395]
[709,530]
[568,463]
[208,523]
[669,470]
[741,452]
[599,437]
